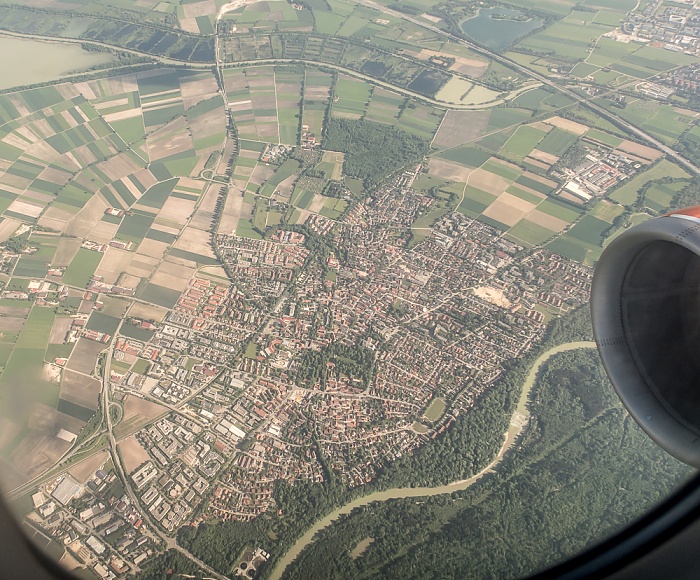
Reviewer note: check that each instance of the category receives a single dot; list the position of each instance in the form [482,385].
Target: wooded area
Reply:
[583,470]
[373,151]
[464,449]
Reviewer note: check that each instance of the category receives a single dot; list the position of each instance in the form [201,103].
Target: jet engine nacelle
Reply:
[645,306]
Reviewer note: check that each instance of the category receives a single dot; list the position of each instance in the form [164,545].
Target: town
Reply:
[230,370]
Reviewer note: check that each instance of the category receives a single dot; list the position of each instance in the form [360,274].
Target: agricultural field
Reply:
[68,153]
[627,194]
[665,122]
[566,38]
[29,422]
[579,40]
[332,165]
[350,97]
[366,41]
[263,17]
[249,153]
[153,29]
[421,120]
[502,194]
[315,203]
[384,106]
[317,91]
[253,103]
[583,242]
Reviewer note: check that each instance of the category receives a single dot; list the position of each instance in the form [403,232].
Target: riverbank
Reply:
[517,423]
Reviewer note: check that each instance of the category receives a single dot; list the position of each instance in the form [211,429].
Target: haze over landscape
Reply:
[299,290]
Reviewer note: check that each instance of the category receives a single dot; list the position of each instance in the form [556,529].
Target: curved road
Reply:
[171,543]
[543,79]
[518,421]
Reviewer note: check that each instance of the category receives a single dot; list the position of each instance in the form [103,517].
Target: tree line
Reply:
[582,470]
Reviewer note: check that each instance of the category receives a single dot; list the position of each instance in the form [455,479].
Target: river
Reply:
[517,422]
[34,61]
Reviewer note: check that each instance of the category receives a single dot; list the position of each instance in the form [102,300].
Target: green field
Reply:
[565,246]
[469,156]
[82,268]
[501,118]
[22,383]
[627,194]
[589,230]
[286,170]
[559,209]
[135,332]
[530,233]
[475,201]
[524,140]
[565,38]
[103,323]
[134,226]
[662,121]
[507,171]
[435,410]
[658,197]
[160,295]
[606,138]
[557,142]
[157,195]
[606,211]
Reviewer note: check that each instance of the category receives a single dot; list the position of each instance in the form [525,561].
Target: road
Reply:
[171,543]
[541,78]
[517,423]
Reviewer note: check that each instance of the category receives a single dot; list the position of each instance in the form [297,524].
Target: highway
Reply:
[543,79]
[171,543]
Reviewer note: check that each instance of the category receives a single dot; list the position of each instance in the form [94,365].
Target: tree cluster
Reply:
[582,470]
[353,361]
[171,564]
[373,151]
[220,545]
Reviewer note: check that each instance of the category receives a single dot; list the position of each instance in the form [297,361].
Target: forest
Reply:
[171,564]
[464,449]
[373,151]
[583,470]
[688,196]
[220,545]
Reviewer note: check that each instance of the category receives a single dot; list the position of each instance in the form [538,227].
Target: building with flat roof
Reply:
[66,490]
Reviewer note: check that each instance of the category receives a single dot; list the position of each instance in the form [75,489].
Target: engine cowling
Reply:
[645,307]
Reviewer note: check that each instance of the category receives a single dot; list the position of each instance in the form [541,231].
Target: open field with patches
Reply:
[133,455]
[435,410]
[265,108]
[662,121]
[403,68]
[317,91]
[67,142]
[627,194]
[502,194]
[29,391]
[129,175]
[137,412]
[267,16]
[69,153]
[351,97]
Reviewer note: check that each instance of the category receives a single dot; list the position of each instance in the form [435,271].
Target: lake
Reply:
[30,61]
[490,30]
